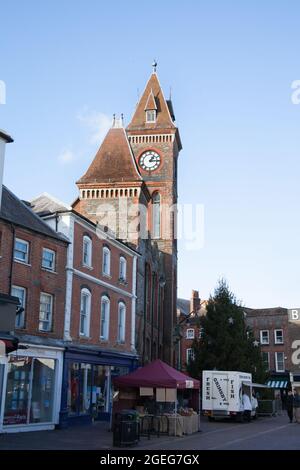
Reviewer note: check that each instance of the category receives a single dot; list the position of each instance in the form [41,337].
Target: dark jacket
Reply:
[289,402]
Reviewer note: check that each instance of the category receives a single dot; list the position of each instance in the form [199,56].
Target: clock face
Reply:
[149,160]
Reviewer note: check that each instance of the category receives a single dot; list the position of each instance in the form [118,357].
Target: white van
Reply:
[222,393]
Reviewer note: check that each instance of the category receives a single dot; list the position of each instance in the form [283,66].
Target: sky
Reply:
[68,66]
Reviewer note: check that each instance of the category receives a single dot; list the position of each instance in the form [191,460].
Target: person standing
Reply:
[297,407]
[254,405]
[289,403]
[247,407]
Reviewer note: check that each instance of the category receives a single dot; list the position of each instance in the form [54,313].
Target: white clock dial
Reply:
[149,160]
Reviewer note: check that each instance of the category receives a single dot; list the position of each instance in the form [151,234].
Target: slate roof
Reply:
[163,120]
[46,204]
[15,211]
[114,161]
[184,306]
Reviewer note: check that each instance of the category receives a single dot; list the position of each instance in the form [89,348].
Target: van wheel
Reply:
[211,418]
[239,418]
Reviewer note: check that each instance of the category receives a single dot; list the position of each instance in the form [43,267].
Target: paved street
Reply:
[264,434]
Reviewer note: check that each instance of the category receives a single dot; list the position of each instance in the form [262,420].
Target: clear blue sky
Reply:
[69,65]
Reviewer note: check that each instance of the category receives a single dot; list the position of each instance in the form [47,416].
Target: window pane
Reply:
[73,388]
[17,394]
[21,251]
[43,383]
[45,312]
[20,317]
[85,388]
[48,259]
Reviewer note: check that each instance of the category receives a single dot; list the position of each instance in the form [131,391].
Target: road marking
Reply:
[249,437]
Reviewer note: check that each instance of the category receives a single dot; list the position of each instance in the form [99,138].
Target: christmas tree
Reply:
[226,342]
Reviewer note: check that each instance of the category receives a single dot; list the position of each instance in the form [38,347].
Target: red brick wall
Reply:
[96,271]
[34,278]
[97,291]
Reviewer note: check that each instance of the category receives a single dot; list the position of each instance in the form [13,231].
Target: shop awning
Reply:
[157,374]
[277,383]
[255,385]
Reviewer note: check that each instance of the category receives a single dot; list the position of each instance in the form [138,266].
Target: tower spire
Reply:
[154,65]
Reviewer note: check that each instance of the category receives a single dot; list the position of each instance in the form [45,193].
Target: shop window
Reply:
[30,391]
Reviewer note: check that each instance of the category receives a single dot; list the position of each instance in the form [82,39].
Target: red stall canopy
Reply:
[157,374]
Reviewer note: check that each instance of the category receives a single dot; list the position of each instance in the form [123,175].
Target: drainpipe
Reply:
[152,313]
[133,304]
[13,231]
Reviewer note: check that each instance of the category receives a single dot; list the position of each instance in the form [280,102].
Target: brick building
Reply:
[188,327]
[276,333]
[99,321]
[32,269]
[131,187]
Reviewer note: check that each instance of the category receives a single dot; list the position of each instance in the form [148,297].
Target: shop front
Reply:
[32,389]
[87,390]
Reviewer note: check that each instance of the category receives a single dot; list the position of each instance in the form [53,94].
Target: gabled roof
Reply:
[15,211]
[114,161]
[45,204]
[163,118]
[150,104]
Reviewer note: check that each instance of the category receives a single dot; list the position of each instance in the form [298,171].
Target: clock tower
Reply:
[134,175]
[155,142]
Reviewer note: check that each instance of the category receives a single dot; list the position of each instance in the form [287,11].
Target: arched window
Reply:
[106,261]
[121,322]
[87,251]
[156,215]
[85,312]
[122,269]
[104,320]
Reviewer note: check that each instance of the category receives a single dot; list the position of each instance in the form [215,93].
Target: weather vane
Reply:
[154,65]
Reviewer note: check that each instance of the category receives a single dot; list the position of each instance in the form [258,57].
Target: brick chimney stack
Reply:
[195,301]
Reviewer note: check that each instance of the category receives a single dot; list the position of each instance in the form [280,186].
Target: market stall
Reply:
[166,399]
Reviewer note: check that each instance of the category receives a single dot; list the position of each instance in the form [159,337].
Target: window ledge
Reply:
[81,335]
[90,268]
[106,275]
[21,262]
[48,270]
[45,331]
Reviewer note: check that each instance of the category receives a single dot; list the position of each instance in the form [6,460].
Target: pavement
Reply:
[269,433]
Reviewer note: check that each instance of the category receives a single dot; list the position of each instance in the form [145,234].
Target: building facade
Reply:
[131,189]
[189,313]
[272,331]
[99,320]
[32,269]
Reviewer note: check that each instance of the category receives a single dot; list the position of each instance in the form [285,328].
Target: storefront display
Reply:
[32,389]
[29,390]
[87,384]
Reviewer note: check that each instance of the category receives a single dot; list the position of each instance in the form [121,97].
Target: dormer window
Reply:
[151,115]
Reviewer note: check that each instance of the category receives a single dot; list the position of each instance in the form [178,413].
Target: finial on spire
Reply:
[154,65]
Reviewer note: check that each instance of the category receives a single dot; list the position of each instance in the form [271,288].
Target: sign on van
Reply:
[294,314]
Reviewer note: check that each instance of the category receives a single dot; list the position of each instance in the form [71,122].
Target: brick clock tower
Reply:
[134,174]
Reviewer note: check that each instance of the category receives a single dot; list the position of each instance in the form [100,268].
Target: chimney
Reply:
[195,301]
[4,139]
